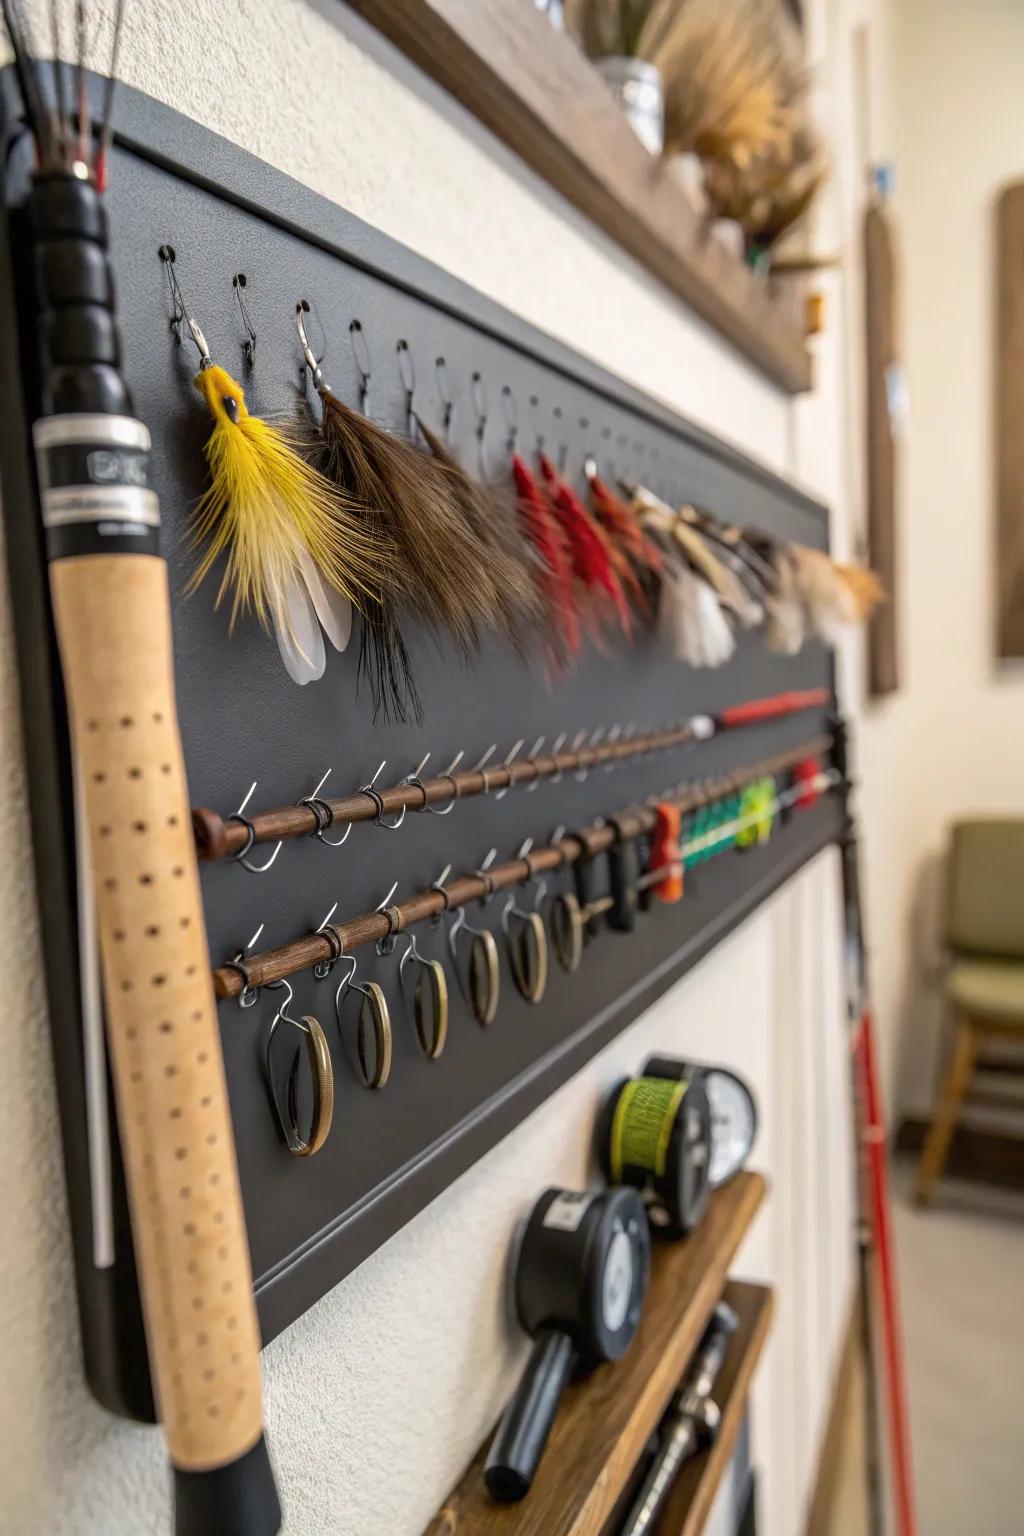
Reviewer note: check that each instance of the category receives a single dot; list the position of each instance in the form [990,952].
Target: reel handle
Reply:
[522,1434]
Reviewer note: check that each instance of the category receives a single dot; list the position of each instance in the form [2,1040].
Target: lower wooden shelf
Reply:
[605,1422]
[693,1491]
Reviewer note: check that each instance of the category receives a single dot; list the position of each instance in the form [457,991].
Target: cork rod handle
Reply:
[112,614]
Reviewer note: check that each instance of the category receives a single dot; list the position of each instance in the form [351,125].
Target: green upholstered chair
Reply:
[985,980]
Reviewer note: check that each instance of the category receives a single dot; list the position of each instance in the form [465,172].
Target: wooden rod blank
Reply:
[220,837]
[302,954]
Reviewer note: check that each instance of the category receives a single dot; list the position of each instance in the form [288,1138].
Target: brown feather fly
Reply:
[490,514]
[454,579]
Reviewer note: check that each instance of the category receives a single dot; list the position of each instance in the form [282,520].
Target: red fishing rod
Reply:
[775,707]
[111,611]
[879,1296]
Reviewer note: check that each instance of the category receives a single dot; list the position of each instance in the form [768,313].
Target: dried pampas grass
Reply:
[733,76]
[735,87]
[768,196]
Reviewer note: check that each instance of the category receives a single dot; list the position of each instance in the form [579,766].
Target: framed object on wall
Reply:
[884,387]
[1009,329]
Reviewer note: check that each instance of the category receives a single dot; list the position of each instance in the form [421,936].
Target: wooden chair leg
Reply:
[940,1133]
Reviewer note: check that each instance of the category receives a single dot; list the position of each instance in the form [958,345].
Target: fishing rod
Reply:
[111,611]
[692,1424]
[874,1241]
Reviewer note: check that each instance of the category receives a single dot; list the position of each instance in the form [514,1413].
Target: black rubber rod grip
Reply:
[521,1436]
[239,1499]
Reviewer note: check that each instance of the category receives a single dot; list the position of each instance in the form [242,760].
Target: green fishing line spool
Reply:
[654,1133]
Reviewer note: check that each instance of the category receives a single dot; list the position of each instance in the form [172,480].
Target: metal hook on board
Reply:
[386,945]
[448,774]
[313,360]
[480,407]
[447,402]
[481,767]
[407,370]
[182,315]
[239,283]
[249,994]
[530,757]
[507,763]
[242,856]
[324,816]
[361,354]
[378,820]
[510,411]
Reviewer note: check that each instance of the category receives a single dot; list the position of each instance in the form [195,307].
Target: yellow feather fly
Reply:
[296,551]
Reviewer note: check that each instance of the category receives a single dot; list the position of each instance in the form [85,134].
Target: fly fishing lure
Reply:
[297,552]
[453,573]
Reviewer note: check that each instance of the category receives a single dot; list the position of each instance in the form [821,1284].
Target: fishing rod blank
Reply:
[111,609]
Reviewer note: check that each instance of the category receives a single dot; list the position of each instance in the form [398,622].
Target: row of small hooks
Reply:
[610,442]
[321,809]
[525,932]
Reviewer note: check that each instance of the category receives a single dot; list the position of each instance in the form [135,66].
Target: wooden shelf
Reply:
[693,1492]
[537,92]
[605,1422]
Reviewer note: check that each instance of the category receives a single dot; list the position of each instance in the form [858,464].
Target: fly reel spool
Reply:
[654,1133]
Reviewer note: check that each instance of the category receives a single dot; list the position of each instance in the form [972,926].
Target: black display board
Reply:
[311,1222]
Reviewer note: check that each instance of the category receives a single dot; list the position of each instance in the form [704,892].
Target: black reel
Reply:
[733,1113]
[654,1133]
[580,1281]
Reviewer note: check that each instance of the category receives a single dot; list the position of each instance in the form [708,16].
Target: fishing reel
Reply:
[580,1279]
[733,1114]
[654,1133]
[675,1133]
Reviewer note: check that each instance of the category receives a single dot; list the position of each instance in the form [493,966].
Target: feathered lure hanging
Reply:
[833,595]
[546,536]
[622,524]
[636,559]
[747,589]
[297,553]
[591,560]
[448,573]
[690,612]
[490,515]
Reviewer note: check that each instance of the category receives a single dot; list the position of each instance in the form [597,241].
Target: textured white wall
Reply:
[959,140]
[378,1396]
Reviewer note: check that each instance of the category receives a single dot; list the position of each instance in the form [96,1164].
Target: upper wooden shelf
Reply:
[605,1422]
[534,88]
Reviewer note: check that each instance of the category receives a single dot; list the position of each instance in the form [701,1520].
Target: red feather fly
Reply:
[623,526]
[545,534]
[591,563]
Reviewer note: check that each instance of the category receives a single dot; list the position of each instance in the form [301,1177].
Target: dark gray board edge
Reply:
[164,137]
[364,1227]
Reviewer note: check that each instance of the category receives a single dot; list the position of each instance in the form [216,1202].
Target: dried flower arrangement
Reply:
[735,87]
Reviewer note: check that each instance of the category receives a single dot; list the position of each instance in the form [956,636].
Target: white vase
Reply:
[636,86]
[553,11]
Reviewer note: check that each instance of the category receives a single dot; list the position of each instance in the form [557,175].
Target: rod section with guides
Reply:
[302,954]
